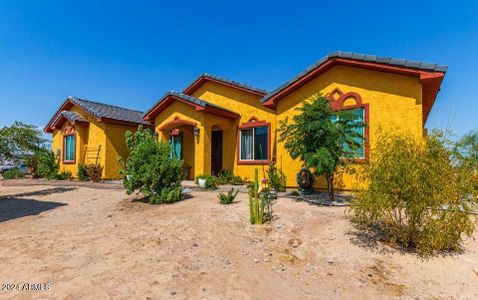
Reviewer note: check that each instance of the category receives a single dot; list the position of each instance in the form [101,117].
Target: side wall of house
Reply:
[395,104]
[90,143]
[115,148]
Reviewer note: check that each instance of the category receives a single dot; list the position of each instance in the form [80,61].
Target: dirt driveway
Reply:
[73,241]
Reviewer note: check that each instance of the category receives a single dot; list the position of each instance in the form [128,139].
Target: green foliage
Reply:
[32,164]
[65,175]
[150,169]
[94,172]
[465,151]
[227,177]
[48,165]
[19,141]
[416,195]
[277,178]
[321,143]
[13,173]
[211,181]
[83,172]
[229,197]
[256,203]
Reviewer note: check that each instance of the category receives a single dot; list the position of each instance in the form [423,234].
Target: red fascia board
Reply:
[424,76]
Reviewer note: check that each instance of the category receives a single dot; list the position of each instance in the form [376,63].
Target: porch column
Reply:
[202,156]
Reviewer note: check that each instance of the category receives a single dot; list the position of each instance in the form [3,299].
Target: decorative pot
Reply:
[202,183]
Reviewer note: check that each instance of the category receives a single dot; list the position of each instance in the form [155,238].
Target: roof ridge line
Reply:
[102,103]
[397,62]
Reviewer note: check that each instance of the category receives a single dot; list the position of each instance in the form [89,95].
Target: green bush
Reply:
[150,169]
[211,181]
[65,175]
[227,177]
[48,165]
[83,172]
[416,196]
[277,178]
[13,173]
[229,197]
[32,163]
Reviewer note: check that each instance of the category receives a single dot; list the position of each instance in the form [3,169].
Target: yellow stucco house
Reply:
[90,132]
[216,123]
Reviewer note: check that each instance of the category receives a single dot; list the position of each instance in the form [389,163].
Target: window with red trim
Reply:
[358,153]
[254,144]
[69,148]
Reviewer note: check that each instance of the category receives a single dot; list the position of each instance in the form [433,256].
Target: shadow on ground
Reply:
[13,208]
[44,192]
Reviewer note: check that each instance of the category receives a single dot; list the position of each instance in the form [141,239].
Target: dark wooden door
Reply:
[216,152]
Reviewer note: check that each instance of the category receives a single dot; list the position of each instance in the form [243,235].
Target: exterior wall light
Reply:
[196,131]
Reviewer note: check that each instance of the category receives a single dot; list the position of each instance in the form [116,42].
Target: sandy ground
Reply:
[100,243]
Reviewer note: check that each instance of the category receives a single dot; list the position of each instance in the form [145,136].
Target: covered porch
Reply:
[203,135]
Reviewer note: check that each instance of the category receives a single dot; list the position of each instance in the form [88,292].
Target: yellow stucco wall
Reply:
[97,140]
[115,148]
[91,136]
[395,103]
[245,104]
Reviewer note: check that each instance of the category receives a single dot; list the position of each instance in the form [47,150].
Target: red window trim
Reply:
[338,104]
[253,123]
[69,162]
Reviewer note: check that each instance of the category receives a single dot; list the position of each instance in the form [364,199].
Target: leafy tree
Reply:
[323,139]
[19,141]
[150,169]
[416,195]
[466,149]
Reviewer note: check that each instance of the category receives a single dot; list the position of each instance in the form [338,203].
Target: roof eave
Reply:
[271,100]
[196,84]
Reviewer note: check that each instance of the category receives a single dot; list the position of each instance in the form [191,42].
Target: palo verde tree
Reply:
[19,141]
[466,149]
[323,139]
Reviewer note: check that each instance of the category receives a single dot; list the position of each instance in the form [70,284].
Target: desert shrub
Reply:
[65,175]
[416,195]
[229,197]
[13,173]
[48,165]
[32,164]
[227,177]
[277,178]
[236,180]
[83,172]
[211,181]
[95,172]
[150,169]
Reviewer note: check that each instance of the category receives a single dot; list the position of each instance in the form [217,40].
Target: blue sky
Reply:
[130,53]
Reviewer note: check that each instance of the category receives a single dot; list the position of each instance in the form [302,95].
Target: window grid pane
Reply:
[260,143]
[247,144]
[70,148]
[254,143]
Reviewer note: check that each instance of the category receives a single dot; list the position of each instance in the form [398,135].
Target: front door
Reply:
[176,146]
[216,152]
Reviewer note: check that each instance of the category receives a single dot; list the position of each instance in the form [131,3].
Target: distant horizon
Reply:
[133,55]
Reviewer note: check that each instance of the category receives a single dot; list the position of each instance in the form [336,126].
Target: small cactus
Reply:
[256,203]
